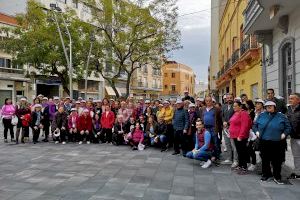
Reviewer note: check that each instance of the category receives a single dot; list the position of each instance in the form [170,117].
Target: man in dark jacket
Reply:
[280,104]
[180,125]
[293,115]
[59,124]
[187,97]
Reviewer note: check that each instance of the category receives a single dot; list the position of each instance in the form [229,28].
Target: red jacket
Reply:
[84,123]
[107,121]
[240,125]
[70,124]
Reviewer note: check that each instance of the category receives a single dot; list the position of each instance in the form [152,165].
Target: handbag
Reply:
[257,142]
[14,120]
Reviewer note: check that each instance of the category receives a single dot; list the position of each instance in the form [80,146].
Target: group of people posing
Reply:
[195,129]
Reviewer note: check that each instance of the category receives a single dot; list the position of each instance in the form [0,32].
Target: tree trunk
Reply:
[113,86]
[65,86]
[128,85]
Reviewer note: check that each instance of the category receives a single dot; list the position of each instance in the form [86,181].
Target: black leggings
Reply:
[7,125]
[241,148]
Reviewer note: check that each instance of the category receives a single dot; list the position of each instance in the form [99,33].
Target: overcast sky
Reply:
[195,30]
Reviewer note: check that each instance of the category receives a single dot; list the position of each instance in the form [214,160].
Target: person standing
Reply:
[293,115]
[167,113]
[280,104]
[212,119]
[107,123]
[36,122]
[7,112]
[240,125]
[272,128]
[180,125]
[22,110]
[187,97]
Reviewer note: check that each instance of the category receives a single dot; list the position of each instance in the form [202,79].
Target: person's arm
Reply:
[287,126]
[207,138]
[197,142]
[186,119]
[245,120]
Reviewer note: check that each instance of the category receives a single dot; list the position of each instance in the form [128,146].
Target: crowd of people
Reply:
[197,129]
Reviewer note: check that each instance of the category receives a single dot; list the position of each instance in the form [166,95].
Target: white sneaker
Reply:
[63,142]
[202,163]
[88,142]
[56,142]
[226,162]
[80,142]
[234,164]
[206,164]
[251,167]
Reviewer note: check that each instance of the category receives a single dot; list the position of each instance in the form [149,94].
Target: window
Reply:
[254,91]
[2,62]
[173,75]
[8,63]
[166,86]
[166,75]
[173,88]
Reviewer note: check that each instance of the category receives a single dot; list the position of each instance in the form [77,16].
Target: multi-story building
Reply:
[146,82]
[177,78]
[13,83]
[239,54]
[214,54]
[276,25]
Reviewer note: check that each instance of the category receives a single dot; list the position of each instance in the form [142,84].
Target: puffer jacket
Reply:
[181,120]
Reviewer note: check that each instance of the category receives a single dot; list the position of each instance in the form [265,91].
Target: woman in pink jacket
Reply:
[137,137]
[240,124]
[7,112]
[72,125]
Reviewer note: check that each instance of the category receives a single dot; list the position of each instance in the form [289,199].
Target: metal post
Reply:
[70,63]
[86,69]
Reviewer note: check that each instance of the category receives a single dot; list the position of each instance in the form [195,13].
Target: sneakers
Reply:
[134,148]
[234,164]
[63,142]
[294,176]
[80,142]
[264,178]
[278,181]
[88,142]
[251,167]
[207,164]
[56,142]
[5,141]
[226,162]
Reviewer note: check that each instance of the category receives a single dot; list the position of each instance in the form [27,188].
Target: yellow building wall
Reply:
[230,28]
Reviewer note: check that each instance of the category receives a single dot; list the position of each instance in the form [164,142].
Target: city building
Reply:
[177,78]
[214,54]
[239,55]
[276,25]
[201,88]
[146,82]
[13,83]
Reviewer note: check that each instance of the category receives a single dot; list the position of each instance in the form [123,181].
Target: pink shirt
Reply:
[8,111]
[240,124]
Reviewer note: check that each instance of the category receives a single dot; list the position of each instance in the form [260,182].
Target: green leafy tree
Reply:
[134,34]
[36,42]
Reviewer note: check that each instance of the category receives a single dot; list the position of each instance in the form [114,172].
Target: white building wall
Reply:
[278,37]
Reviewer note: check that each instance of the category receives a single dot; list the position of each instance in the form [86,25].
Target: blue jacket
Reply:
[181,120]
[278,125]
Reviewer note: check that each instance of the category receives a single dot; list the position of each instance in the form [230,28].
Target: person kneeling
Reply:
[137,137]
[203,147]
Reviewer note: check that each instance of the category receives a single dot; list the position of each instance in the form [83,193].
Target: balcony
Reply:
[251,13]
[235,56]
[248,43]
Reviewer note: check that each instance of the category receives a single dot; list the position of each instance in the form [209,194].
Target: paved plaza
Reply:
[102,171]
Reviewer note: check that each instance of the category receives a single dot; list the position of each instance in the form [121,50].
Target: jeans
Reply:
[8,126]
[217,145]
[200,155]
[295,146]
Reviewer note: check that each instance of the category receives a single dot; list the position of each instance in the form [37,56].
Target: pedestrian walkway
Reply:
[101,172]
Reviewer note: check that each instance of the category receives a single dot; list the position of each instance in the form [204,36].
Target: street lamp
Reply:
[69,59]
[92,39]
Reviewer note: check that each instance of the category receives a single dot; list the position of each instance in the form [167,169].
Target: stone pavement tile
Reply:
[163,176]
[281,194]
[179,197]
[6,194]
[183,172]
[148,172]
[183,190]
[228,187]
[183,180]
[119,180]
[28,194]
[252,190]
[75,180]
[111,189]
[156,194]
[165,185]
[78,195]
[48,197]
[141,179]
[208,179]
[134,190]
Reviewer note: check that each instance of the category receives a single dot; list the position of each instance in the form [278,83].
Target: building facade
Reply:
[177,78]
[146,82]
[13,83]
[277,26]
[239,55]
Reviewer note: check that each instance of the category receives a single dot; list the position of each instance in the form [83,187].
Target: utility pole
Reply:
[92,39]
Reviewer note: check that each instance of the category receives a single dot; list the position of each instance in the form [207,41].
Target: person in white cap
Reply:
[98,107]
[280,103]
[36,122]
[180,125]
[68,105]
[22,110]
[7,112]
[193,117]
[167,114]
[85,127]
[72,125]
[259,108]
[272,128]
[60,124]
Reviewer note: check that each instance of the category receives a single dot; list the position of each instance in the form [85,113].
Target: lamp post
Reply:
[68,58]
[92,39]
